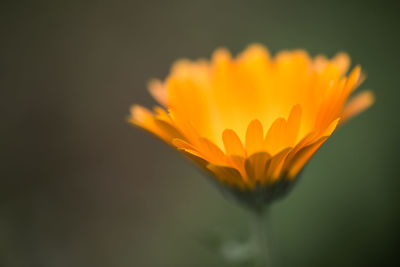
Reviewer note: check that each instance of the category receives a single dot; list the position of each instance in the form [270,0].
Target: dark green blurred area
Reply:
[81,187]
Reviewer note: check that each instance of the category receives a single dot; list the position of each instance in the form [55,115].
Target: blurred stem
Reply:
[258,224]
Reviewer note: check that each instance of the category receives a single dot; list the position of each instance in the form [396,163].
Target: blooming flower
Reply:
[253,121]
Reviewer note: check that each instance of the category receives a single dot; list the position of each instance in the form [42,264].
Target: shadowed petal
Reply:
[256,167]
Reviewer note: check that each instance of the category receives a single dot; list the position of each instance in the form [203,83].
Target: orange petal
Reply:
[211,152]
[238,163]
[293,125]
[195,157]
[308,139]
[303,156]
[357,104]
[191,152]
[181,144]
[140,115]
[255,57]
[185,127]
[254,137]
[232,143]
[320,62]
[221,55]
[276,164]
[342,61]
[352,81]
[331,127]
[190,101]
[162,114]
[158,91]
[274,139]
[168,130]
[143,118]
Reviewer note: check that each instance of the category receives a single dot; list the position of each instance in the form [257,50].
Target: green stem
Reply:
[259,238]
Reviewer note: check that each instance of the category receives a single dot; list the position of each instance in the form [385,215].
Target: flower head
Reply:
[253,121]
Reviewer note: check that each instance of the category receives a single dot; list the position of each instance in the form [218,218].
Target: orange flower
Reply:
[253,121]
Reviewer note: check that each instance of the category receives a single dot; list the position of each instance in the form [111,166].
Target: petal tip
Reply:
[358,104]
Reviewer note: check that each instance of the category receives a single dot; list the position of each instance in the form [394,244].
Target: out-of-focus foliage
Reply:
[81,187]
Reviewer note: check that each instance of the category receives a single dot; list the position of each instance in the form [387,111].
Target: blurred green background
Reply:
[81,187]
